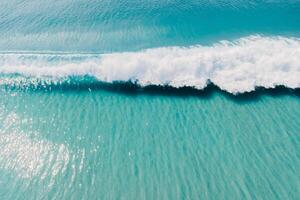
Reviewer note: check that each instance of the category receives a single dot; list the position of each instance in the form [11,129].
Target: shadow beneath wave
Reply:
[132,89]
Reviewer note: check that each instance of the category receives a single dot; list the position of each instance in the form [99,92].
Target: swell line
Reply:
[234,66]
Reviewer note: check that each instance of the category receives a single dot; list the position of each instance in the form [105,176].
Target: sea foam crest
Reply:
[237,66]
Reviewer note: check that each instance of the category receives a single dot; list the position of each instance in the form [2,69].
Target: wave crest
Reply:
[238,66]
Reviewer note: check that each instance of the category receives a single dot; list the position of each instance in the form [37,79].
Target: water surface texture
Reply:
[166,99]
[118,25]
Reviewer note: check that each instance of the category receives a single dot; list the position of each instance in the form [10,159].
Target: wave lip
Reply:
[234,66]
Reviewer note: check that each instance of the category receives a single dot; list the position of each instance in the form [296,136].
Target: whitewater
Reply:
[234,66]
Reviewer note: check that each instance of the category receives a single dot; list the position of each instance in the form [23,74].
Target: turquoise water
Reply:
[149,99]
[113,144]
[118,25]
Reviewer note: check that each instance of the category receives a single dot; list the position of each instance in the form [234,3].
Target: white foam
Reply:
[236,67]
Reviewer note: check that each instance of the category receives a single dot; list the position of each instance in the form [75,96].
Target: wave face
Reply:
[238,66]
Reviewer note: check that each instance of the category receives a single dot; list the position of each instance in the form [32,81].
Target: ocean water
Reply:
[149,99]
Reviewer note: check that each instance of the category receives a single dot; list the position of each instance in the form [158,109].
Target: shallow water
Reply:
[134,145]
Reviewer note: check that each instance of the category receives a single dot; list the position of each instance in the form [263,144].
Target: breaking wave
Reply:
[234,66]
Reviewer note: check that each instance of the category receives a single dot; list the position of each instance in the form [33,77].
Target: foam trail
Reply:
[238,66]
